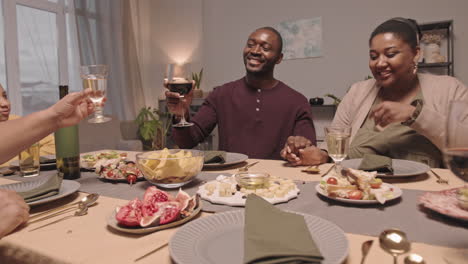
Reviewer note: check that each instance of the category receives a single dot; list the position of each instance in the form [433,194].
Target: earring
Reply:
[415,68]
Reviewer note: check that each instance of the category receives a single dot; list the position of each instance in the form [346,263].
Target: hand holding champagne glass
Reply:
[456,144]
[338,143]
[95,77]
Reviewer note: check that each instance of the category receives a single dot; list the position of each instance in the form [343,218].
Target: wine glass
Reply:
[338,143]
[183,87]
[456,139]
[95,77]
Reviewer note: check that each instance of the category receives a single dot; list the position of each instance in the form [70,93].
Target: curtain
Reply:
[106,35]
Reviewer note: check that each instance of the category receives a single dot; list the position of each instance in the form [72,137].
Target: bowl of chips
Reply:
[170,168]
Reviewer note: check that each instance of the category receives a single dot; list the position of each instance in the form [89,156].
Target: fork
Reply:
[440,180]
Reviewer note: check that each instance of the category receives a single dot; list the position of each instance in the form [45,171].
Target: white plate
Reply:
[219,239]
[68,187]
[444,202]
[112,222]
[238,200]
[231,159]
[396,191]
[401,168]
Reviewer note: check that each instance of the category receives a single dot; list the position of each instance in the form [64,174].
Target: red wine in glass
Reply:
[457,161]
[456,139]
[182,87]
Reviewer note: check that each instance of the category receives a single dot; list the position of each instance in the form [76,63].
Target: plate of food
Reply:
[219,238]
[230,159]
[357,187]
[227,190]
[158,210]
[118,170]
[401,168]
[91,160]
[451,202]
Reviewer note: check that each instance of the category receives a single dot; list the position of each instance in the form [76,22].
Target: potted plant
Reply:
[152,127]
[197,78]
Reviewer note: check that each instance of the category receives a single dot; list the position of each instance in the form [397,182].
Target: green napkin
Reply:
[50,187]
[373,162]
[272,236]
[215,156]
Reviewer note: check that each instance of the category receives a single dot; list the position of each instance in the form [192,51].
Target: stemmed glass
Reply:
[183,87]
[338,143]
[456,139]
[95,77]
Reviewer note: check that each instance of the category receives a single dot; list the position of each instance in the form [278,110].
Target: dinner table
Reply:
[89,239]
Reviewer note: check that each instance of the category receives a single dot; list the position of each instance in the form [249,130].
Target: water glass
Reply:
[337,138]
[29,162]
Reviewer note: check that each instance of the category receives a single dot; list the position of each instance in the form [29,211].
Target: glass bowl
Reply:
[252,180]
[170,168]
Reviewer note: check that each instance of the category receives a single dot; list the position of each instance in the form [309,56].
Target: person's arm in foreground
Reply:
[13,211]
[20,133]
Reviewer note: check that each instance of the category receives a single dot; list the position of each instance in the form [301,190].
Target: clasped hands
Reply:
[299,151]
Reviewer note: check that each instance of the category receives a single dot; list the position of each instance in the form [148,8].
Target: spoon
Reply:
[365,249]
[246,168]
[394,242]
[88,200]
[414,259]
[82,210]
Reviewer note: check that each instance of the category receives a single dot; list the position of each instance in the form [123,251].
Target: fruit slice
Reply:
[151,220]
[183,198]
[130,214]
[170,212]
[152,197]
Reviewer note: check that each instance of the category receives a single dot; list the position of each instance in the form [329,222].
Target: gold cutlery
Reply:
[312,169]
[365,247]
[151,252]
[329,169]
[440,180]
[246,167]
[394,242]
[82,210]
[88,200]
[414,259]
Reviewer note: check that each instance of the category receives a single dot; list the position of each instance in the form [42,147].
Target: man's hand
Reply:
[177,104]
[71,109]
[292,147]
[388,112]
[13,211]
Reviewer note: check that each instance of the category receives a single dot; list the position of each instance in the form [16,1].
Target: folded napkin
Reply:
[49,187]
[215,157]
[373,162]
[272,236]
[45,160]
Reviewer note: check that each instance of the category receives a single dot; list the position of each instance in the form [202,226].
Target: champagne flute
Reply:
[95,77]
[338,143]
[181,86]
[456,140]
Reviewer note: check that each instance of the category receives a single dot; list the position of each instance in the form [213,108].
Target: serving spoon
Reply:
[394,242]
[87,201]
[414,259]
[365,249]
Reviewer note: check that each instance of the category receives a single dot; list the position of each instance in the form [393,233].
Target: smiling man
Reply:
[255,114]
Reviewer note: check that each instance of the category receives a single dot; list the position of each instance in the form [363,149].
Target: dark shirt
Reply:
[256,122]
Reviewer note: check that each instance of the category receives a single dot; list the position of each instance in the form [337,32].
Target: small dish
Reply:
[252,180]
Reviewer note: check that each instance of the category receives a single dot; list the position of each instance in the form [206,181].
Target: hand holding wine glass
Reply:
[179,97]
[456,144]
[95,78]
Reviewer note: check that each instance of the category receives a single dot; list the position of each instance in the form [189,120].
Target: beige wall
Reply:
[346,28]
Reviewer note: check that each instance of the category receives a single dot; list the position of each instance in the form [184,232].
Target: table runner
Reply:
[420,224]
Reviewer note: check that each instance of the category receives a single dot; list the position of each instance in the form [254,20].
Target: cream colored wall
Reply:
[346,28]
[170,31]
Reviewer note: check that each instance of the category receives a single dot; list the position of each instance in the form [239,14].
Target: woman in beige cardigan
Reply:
[400,113]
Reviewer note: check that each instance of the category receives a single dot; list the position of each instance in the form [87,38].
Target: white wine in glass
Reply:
[95,78]
[337,138]
[456,139]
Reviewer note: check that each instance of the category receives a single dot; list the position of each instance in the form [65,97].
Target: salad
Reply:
[357,185]
[90,160]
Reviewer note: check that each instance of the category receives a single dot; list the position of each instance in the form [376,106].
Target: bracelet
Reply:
[418,103]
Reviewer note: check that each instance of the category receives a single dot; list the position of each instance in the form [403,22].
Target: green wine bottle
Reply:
[67,147]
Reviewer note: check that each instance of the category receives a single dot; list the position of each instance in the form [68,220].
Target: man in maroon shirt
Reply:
[255,114]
